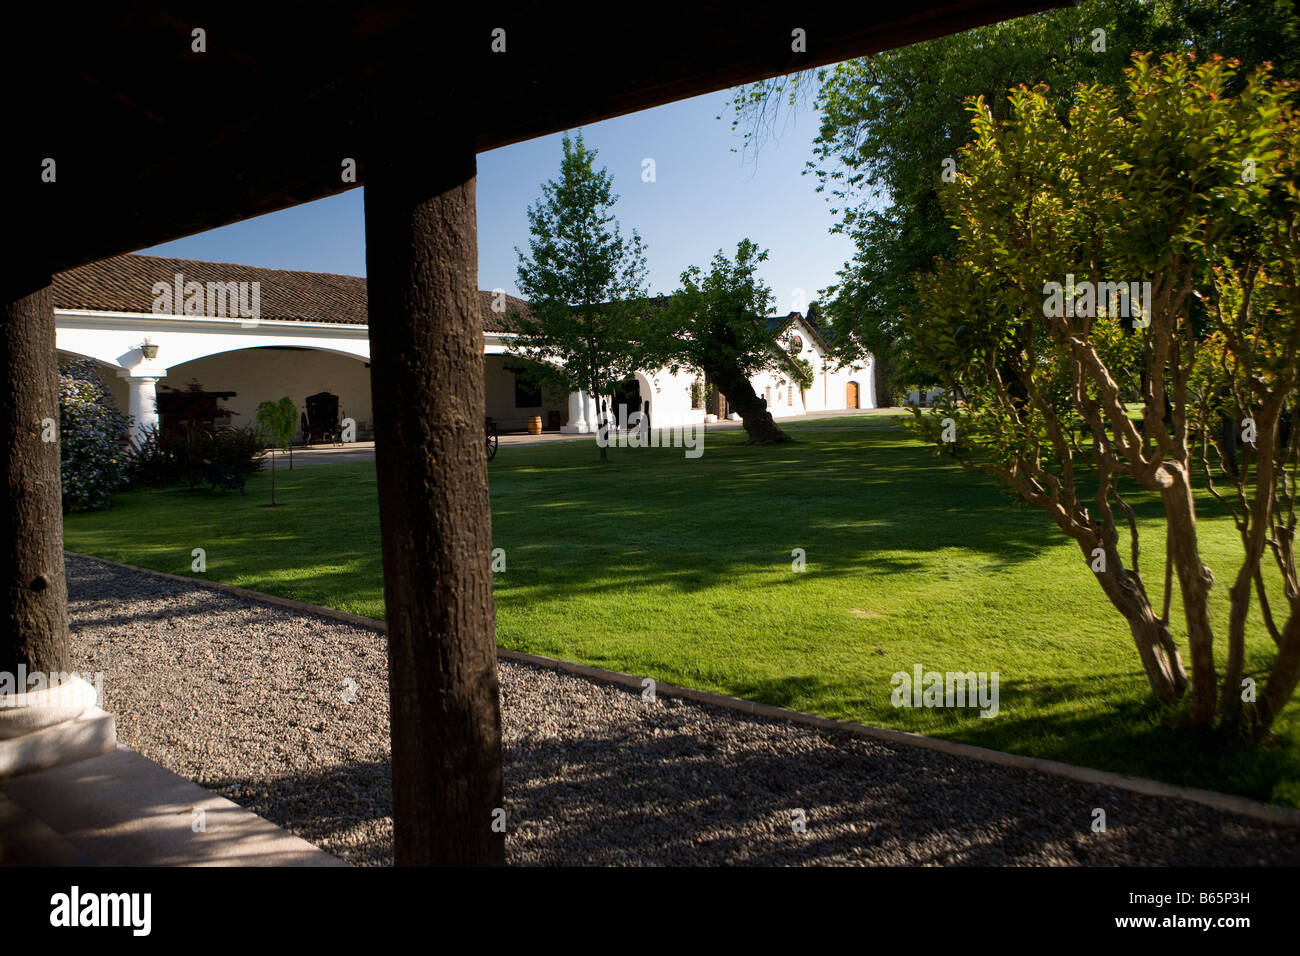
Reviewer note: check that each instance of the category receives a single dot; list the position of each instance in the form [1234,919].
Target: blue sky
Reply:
[704,197]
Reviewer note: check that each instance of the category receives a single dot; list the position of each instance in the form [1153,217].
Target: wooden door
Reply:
[851,396]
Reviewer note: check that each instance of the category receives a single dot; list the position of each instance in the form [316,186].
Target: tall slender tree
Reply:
[584,281]
[276,421]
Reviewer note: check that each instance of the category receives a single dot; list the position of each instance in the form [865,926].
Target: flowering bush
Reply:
[91,436]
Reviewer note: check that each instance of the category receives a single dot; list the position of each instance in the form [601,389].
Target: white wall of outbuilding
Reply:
[267,359]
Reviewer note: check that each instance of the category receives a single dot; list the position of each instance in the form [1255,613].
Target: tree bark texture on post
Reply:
[36,601]
[426,378]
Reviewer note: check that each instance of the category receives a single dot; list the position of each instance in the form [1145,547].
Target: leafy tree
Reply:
[277,422]
[92,437]
[1178,183]
[716,322]
[584,282]
[892,123]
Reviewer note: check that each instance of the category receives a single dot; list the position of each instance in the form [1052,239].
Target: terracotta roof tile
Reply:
[125,284]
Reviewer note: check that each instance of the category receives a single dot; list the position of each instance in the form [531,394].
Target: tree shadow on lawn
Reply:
[693,541]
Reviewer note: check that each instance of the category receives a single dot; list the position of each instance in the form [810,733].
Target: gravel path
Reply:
[287,714]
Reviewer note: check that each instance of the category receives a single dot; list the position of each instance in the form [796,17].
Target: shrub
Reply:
[92,433]
[240,448]
[152,462]
[190,452]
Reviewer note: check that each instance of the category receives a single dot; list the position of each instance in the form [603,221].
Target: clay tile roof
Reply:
[125,284]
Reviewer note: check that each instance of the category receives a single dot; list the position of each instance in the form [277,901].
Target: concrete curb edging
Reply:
[1230,803]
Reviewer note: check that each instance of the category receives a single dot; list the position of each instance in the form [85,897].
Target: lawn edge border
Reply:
[1231,803]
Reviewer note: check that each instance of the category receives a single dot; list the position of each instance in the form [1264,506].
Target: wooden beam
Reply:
[427,383]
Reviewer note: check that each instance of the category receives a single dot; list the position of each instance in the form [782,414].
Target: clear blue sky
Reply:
[705,197]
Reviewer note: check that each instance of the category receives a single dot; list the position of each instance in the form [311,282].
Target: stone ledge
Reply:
[121,809]
[91,734]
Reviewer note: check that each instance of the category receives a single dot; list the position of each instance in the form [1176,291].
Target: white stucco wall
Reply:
[250,359]
[829,390]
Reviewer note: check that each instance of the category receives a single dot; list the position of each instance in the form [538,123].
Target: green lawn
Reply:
[680,570]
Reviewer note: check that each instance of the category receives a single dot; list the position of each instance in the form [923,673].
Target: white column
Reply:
[579,415]
[143,409]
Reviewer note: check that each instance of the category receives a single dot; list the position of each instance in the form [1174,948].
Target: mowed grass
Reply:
[681,570]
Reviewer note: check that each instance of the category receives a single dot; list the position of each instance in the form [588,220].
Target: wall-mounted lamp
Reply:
[149,350]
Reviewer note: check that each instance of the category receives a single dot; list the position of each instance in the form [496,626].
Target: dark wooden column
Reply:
[35,626]
[426,357]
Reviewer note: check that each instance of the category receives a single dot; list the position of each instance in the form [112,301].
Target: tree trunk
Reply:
[36,607]
[1283,677]
[601,419]
[426,340]
[1155,644]
[742,399]
[1194,581]
[1253,543]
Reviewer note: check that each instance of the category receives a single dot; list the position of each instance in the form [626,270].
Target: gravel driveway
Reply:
[286,713]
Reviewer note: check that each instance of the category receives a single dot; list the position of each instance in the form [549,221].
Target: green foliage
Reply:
[1149,191]
[153,461]
[718,319]
[803,372]
[584,281]
[889,122]
[92,439]
[278,421]
[1177,183]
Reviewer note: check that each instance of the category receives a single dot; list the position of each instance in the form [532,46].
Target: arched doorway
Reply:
[633,393]
[851,395]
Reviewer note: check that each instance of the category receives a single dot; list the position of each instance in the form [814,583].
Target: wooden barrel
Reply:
[535,425]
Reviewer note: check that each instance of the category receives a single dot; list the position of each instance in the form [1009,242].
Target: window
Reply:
[527,395]
[790,395]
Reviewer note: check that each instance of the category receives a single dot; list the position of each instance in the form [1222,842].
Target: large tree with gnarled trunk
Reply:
[717,322]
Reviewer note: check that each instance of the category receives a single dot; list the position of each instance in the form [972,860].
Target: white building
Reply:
[265,333]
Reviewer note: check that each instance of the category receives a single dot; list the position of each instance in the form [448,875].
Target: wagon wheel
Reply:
[492,440]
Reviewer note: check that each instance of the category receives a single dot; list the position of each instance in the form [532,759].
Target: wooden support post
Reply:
[35,631]
[426,347]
